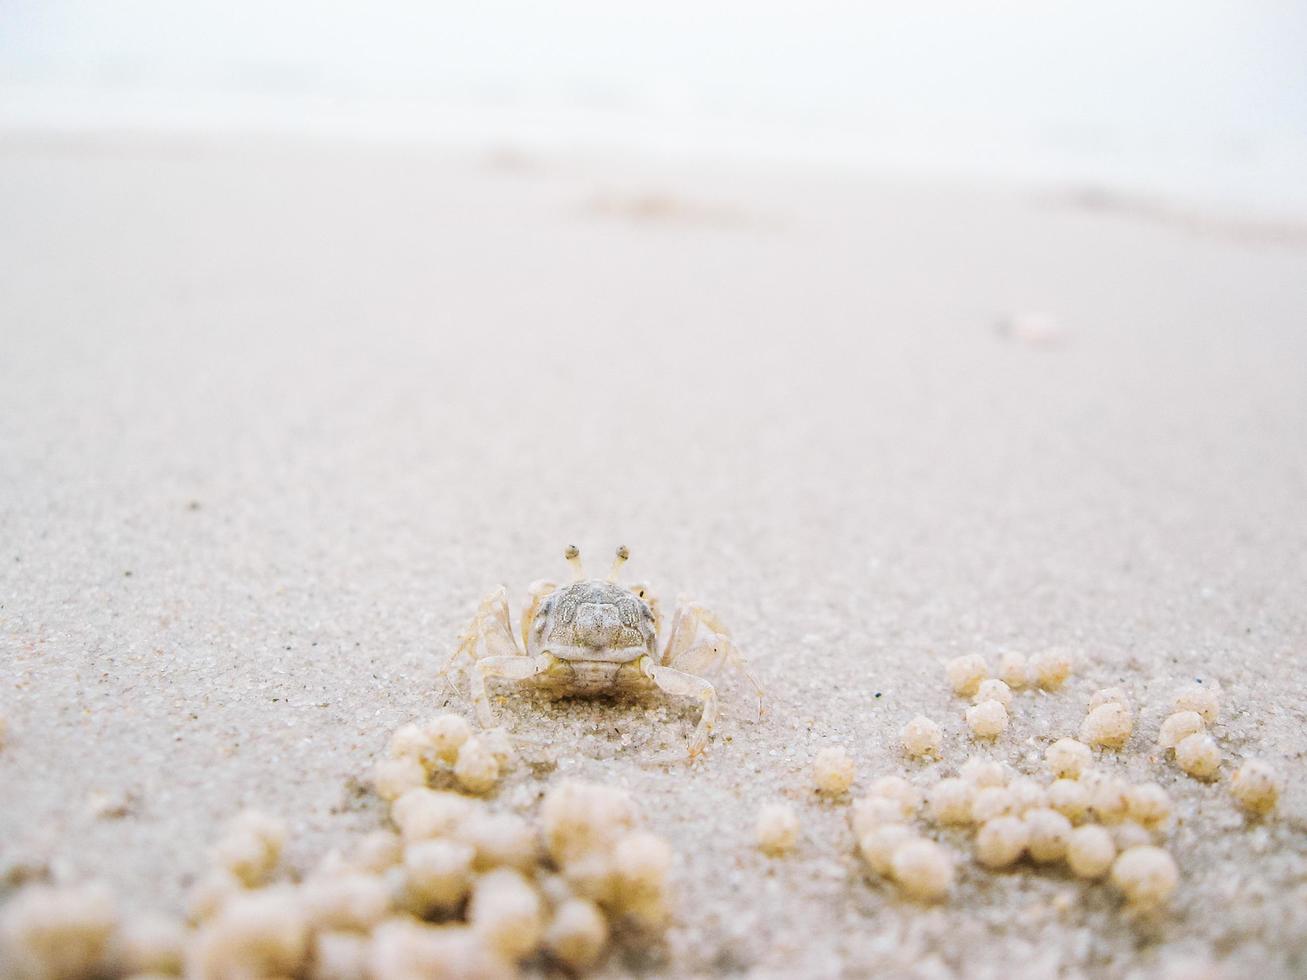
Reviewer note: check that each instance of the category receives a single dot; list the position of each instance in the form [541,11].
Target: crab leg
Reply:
[489,633]
[682,651]
[536,591]
[515,668]
[679,683]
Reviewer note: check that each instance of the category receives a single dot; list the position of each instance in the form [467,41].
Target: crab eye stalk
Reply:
[623,553]
[573,555]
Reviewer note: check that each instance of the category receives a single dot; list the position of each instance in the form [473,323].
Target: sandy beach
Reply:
[275,416]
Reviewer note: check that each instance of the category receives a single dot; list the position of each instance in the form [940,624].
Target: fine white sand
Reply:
[272,420]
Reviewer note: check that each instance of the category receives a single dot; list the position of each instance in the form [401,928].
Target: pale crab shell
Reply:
[592,620]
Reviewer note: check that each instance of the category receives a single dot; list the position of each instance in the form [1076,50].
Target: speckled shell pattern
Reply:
[593,620]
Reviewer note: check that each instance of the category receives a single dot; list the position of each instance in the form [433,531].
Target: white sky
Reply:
[1170,79]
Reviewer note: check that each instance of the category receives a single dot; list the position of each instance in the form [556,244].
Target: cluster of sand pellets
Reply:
[456,888]
[1070,812]
[453,889]
[991,694]
[445,745]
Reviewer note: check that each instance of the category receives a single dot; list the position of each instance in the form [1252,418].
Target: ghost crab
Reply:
[596,636]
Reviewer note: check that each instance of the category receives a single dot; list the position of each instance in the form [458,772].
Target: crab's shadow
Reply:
[606,725]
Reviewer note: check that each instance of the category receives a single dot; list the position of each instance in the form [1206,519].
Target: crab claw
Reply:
[699,742]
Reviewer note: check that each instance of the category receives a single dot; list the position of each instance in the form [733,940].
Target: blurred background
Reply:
[1197,100]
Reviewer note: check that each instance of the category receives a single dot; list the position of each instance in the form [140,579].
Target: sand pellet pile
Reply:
[1096,824]
[453,888]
